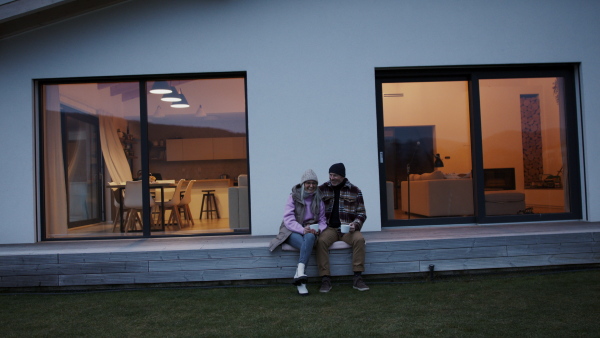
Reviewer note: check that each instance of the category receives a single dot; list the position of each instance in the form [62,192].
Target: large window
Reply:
[150,156]
[481,144]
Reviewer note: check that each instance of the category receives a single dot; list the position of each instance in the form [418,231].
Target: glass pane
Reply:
[202,144]
[524,146]
[89,142]
[427,136]
[83,166]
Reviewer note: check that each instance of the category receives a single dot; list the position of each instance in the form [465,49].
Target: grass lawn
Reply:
[563,304]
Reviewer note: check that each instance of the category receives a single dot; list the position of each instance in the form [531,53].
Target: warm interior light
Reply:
[161,87]
[172,96]
[182,101]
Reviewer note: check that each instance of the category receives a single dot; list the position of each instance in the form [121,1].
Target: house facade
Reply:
[444,113]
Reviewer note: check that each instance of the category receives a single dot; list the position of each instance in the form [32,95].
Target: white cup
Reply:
[345,228]
[315,227]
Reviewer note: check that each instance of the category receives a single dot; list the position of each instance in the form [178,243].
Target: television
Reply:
[499,179]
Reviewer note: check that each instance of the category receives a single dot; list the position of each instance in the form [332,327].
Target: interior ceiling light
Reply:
[182,102]
[172,96]
[161,87]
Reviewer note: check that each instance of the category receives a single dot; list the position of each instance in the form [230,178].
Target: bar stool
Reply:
[210,202]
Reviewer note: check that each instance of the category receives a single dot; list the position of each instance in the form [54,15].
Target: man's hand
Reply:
[352,227]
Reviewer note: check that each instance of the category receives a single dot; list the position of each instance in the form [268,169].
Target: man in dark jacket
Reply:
[345,214]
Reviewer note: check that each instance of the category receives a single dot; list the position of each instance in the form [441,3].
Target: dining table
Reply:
[151,186]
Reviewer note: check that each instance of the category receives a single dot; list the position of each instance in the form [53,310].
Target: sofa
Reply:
[434,195]
[239,212]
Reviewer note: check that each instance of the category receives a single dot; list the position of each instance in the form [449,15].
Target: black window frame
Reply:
[472,74]
[142,80]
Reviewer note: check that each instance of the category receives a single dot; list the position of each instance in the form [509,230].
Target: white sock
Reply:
[300,270]
[302,289]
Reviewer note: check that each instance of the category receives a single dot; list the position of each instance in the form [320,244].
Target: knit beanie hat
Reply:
[339,169]
[309,175]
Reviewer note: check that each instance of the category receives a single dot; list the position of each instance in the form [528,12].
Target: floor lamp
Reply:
[438,163]
[408,176]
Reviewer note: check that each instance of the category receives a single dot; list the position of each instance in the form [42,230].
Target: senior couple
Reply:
[329,205]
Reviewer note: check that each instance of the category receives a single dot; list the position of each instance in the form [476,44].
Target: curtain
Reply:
[55,193]
[112,150]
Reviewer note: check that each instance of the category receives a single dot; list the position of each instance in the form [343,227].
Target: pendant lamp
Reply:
[161,87]
[182,103]
[172,96]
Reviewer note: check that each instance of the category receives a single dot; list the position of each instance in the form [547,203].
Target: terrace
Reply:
[224,259]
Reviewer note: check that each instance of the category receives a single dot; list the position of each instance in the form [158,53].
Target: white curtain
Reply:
[55,193]
[112,150]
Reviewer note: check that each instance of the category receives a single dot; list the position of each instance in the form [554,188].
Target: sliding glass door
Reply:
[485,144]
[427,139]
[524,141]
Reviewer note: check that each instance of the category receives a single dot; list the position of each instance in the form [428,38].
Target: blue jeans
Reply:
[304,243]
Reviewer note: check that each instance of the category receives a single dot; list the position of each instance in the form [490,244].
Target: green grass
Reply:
[550,305]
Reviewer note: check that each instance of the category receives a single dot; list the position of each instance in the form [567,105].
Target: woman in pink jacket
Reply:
[303,208]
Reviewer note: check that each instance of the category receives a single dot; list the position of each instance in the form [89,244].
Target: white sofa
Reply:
[439,197]
[239,213]
[433,196]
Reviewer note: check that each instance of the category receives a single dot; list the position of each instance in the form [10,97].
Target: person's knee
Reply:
[358,240]
[322,243]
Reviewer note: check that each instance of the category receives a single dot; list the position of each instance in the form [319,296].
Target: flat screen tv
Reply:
[499,178]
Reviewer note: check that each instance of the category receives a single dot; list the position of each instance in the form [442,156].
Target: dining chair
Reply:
[173,206]
[167,191]
[184,204]
[133,204]
[158,197]
[117,204]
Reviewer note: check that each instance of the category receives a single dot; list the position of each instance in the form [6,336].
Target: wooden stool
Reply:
[209,201]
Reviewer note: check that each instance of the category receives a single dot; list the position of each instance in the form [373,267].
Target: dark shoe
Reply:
[300,280]
[359,284]
[325,284]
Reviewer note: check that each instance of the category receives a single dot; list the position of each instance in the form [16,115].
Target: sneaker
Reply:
[302,290]
[325,285]
[359,284]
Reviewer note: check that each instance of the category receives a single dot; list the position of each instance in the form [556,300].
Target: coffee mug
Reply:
[315,227]
[345,228]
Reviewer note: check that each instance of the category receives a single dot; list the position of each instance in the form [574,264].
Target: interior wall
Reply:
[310,68]
[501,125]
[444,105]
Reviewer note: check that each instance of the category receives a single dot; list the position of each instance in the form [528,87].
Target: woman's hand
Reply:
[308,230]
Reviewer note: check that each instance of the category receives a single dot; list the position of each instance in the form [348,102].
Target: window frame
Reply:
[142,80]
[472,74]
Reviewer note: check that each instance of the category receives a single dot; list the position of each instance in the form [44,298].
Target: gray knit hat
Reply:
[309,175]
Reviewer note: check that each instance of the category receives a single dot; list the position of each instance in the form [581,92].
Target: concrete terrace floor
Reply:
[248,241]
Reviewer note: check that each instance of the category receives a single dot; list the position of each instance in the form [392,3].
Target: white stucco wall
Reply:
[310,68]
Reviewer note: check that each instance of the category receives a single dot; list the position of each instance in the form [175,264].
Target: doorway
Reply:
[83,163]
